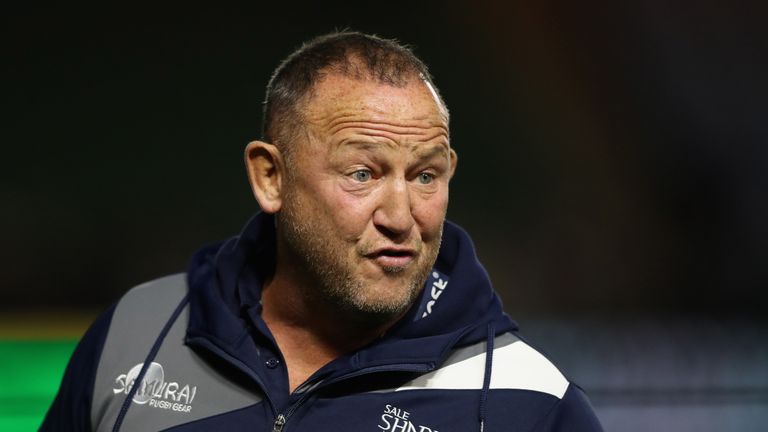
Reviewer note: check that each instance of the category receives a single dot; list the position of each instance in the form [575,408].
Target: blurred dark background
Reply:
[612,155]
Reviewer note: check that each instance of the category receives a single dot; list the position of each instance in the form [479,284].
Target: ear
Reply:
[454,161]
[264,164]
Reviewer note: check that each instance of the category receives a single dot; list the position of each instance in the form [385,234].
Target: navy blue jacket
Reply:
[190,352]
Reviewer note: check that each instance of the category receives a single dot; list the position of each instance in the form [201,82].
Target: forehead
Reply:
[337,97]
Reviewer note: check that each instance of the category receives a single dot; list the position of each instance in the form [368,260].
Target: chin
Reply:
[394,270]
[394,302]
[375,314]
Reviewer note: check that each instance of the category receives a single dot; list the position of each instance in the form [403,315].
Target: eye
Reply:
[425,178]
[362,175]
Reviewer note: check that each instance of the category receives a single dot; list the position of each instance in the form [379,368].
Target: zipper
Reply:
[279,423]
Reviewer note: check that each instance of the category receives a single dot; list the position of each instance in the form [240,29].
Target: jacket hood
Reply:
[456,307]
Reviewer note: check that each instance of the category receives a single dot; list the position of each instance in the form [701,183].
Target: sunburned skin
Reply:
[398,137]
[379,156]
[350,118]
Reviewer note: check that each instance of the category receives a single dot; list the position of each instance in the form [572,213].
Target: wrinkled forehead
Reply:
[337,95]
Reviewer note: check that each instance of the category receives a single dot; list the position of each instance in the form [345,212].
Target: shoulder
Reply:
[526,389]
[573,412]
[515,366]
[156,292]
[140,311]
[140,315]
[148,305]
[518,365]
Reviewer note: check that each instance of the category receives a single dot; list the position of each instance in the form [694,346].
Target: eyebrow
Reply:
[436,150]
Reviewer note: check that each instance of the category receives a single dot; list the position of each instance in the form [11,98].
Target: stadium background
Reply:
[612,171]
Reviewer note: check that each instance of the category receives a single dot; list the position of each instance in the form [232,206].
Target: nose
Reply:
[394,215]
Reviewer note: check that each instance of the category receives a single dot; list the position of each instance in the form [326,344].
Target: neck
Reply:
[309,332]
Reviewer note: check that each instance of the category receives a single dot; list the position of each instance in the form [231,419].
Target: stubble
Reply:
[330,278]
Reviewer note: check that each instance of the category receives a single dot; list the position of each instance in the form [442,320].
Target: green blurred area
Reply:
[31,373]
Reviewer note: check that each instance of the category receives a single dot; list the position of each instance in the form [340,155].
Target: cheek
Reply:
[351,213]
[430,214]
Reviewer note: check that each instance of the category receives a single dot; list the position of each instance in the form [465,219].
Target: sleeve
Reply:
[573,413]
[71,410]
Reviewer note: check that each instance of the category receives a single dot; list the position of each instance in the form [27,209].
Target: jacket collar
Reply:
[456,305]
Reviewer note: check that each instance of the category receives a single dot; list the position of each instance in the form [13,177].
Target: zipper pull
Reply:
[279,423]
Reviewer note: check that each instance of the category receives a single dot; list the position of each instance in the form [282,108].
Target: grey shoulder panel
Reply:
[515,366]
[179,386]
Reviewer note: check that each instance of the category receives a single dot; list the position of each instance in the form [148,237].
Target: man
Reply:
[347,304]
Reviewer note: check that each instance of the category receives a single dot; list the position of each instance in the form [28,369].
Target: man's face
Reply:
[366,194]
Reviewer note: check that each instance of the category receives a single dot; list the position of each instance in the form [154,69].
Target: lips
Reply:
[392,257]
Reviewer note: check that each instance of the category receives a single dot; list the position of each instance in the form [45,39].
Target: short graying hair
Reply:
[352,54]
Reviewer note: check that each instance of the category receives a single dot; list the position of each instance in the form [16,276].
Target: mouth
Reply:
[392,259]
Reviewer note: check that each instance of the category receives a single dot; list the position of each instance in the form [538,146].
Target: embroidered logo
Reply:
[155,391]
[395,419]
